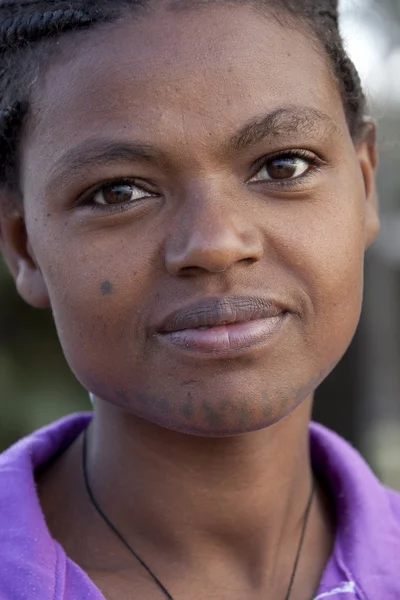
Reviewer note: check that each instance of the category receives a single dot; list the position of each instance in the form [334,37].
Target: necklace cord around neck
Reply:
[142,562]
[112,526]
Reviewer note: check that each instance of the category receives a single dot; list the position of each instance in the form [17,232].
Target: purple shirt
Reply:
[365,563]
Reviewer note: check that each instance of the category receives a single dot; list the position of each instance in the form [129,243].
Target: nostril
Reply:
[214,250]
[249,261]
[196,270]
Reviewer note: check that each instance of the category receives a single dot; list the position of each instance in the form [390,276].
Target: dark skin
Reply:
[201,462]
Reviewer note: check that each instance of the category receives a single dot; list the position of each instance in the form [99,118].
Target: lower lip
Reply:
[226,339]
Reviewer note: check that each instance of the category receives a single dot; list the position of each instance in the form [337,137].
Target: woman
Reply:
[190,188]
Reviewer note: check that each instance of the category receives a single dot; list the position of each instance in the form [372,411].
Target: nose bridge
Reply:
[212,230]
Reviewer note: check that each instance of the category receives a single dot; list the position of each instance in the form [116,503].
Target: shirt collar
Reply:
[367,544]
[28,554]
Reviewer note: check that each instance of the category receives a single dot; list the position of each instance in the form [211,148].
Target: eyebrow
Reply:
[281,122]
[98,152]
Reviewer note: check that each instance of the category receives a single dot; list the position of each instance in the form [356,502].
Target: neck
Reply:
[189,496]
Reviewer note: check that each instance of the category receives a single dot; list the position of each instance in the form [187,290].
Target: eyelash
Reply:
[314,161]
[87,199]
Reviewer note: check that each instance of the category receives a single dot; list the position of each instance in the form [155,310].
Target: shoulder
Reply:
[394,502]
[40,445]
[28,555]
[367,544]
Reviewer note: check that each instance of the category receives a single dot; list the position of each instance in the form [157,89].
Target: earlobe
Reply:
[368,158]
[31,286]
[20,260]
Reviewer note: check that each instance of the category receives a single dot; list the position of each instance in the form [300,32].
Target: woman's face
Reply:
[231,186]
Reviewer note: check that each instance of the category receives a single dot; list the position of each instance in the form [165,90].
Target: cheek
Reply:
[330,259]
[97,286]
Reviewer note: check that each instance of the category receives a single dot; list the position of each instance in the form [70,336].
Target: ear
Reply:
[18,254]
[367,154]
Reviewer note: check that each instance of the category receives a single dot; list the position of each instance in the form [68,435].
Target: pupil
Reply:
[282,168]
[117,193]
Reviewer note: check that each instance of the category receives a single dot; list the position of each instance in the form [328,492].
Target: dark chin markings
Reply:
[187,408]
[211,415]
[243,414]
[224,417]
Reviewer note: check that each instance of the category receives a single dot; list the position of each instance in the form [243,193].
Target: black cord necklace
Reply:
[141,561]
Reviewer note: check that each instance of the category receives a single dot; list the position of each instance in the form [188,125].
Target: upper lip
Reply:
[212,312]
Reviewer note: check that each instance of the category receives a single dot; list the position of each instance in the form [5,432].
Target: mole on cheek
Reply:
[106,288]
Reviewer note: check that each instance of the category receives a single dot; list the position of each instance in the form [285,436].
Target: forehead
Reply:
[197,74]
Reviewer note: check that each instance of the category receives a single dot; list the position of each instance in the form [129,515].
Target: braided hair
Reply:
[29,28]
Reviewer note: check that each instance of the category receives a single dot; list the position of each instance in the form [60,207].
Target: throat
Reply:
[218,511]
[188,496]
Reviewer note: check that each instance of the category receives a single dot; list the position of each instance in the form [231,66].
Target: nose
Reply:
[211,233]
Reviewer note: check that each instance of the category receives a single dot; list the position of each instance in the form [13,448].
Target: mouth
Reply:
[223,326]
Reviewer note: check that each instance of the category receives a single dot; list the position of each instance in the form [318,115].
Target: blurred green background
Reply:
[361,399]
[36,385]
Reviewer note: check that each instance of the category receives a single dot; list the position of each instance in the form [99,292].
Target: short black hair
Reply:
[30,28]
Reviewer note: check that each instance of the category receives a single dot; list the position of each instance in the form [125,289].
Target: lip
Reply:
[233,324]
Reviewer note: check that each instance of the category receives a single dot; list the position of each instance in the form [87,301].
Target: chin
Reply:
[210,413]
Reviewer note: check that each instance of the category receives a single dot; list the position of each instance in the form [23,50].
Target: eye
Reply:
[119,193]
[285,167]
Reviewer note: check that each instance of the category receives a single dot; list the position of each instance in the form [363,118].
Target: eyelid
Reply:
[312,157]
[316,162]
[86,199]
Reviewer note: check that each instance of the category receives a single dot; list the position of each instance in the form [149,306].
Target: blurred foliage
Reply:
[36,385]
